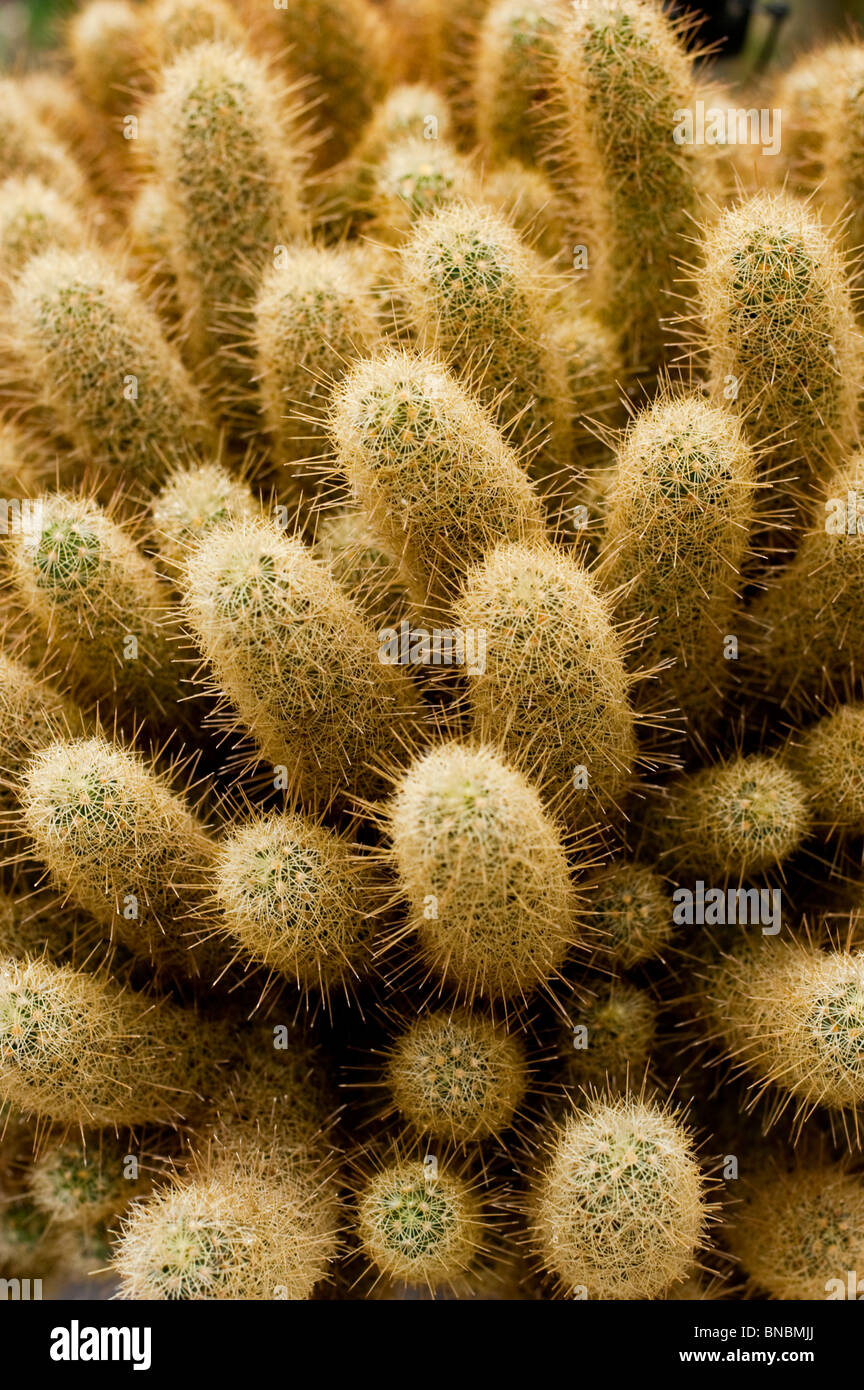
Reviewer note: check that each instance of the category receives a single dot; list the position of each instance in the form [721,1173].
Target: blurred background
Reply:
[752,34]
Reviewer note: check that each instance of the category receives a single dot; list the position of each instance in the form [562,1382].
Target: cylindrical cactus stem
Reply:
[28,148]
[413,178]
[222,141]
[125,846]
[191,503]
[792,1016]
[519,112]
[780,334]
[815,1206]
[81,1186]
[229,1232]
[483,869]
[842,134]
[315,313]
[552,689]
[170,27]
[431,470]
[619,1210]
[457,1075]
[33,713]
[640,189]
[342,46]
[679,518]
[828,757]
[294,656]
[97,356]
[101,607]
[33,217]
[804,93]
[76,1049]
[609,1039]
[807,629]
[290,895]
[349,545]
[479,296]
[526,198]
[106,42]
[420,1228]
[737,819]
[631,912]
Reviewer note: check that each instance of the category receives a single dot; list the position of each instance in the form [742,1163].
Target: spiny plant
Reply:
[123,845]
[34,216]
[294,656]
[800,1229]
[457,1075]
[593,370]
[792,1016]
[105,41]
[190,503]
[35,926]
[86,1185]
[631,912]
[780,332]
[619,1209]
[610,1038]
[222,138]
[100,605]
[433,473]
[804,93]
[424,1230]
[517,114]
[228,1232]
[76,1049]
[526,198]
[170,27]
[315,313]
[639,189]
[33,713]
[828,757]
[291,895]
[28,147]
[349,545]
[98,359]
[679,516]
[479,296]
[553,688]
[29,1246]
[841,133]
[55,102]
[483,870]
[733,820]
[807,638]
[342,46]
[413,178]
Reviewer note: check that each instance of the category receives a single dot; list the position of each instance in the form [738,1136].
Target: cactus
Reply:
[341,46]
[434,475]
[806,637]
[36,926]
[790,1016]
[678,520]
[527,200]
[483,869]
[594,370]
[420,1229]
[413,178]
[620,1026]
[191,503]
[294,656]
[33,216]
[478,296]
[170,27]
[640,190]
[518,116]
[227,1233]
[780,333]
[554,686]
[315,313]
[290,896]
[76,1049]
[619,1209]
[223,142]
[118,840]
[805,92]
[107,47]
[457,1075]
[840,138]
[829,760]
[100,605]
[348,544]
[731,821]
[98,358]
[28,148]
[632,914]
[85,1187]
[801,1229]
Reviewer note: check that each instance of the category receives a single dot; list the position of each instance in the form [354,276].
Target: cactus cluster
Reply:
[431,658]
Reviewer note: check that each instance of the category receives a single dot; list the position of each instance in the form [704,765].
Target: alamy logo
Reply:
[722,907]
[728,125]
[77,1343]
[415,646]
[849,1288]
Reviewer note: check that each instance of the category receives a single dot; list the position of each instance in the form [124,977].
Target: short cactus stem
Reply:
[190,503]
[109,57]
[349,545]
[483,870]
[609,1039]
[828,757]
[34,216]
[29,148]
[619,1211]
[631,913]
[517,114]
[85,1185]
